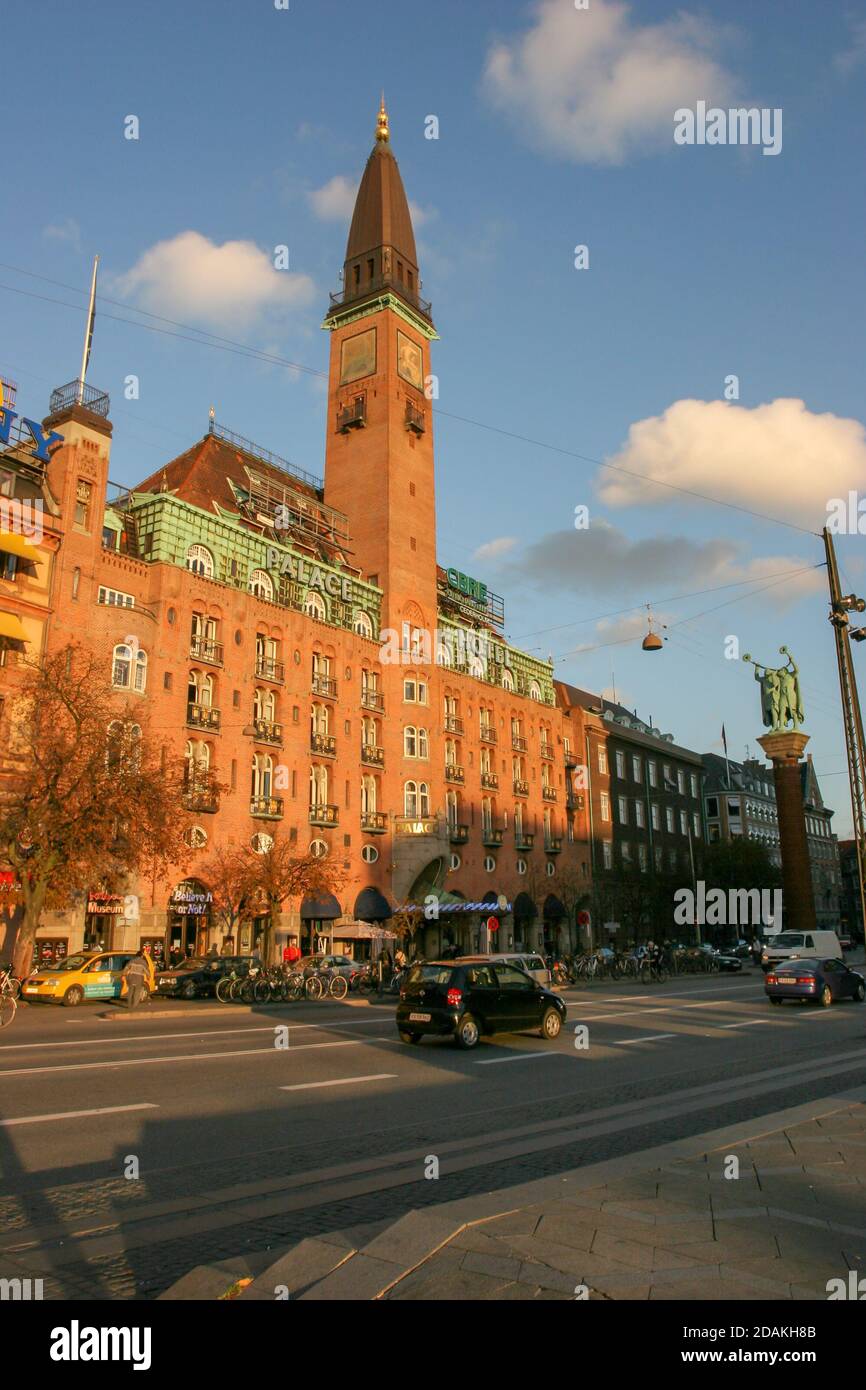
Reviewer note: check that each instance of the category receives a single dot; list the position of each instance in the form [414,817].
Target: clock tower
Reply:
[379,445]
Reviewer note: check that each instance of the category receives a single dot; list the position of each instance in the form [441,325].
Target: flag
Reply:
[727,765]
[88,336]
[724,740]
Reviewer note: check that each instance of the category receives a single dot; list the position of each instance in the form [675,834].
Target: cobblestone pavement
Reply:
[793,1219]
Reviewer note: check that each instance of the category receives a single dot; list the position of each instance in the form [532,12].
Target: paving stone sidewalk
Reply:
[794,1218]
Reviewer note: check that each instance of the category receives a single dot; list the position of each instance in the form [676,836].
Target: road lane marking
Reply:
[516,1057]
[198,1033]
[651,1037]
[188,1057]
[749,1023]
[75,1114]
[343,1081]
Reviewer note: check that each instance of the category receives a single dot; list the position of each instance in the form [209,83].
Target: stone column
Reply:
[785,751]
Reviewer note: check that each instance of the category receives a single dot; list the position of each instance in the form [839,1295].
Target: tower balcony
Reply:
[375,285]
[352,416]
[415,418]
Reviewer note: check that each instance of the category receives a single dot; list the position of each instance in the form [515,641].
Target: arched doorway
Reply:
[525,913]
[189,919]
[554,914]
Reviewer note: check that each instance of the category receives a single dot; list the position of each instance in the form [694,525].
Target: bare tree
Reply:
[270,878]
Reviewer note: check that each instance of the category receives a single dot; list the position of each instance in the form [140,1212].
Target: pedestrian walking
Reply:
[151,968]
[135,974]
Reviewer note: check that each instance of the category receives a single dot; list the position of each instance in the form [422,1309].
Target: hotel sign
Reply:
[41,440]
[472,589]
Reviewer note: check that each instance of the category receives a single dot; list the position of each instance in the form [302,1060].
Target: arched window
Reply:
[451,807]
[416,799]
[263,773]
[363,625]
[507,680]
[450,753]
[264,705]
[486,813]
[423,745]
[443,654]
[262,585]
[200,689]
[476,667]
[369,731]
[318,786]
[114,744]
[410,741]
[197,760]
[200,561]
[128,670]
[314,605]
[534,690]
[320,719]
[368,794]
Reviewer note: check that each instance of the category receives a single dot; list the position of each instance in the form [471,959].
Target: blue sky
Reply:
[555,130]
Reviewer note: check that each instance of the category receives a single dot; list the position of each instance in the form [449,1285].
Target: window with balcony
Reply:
[319,787]
[264,705]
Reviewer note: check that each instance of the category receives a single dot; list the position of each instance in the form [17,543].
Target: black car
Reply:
[200,975]
[473,998]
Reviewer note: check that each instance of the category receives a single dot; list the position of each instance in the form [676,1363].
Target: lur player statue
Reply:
[781,700]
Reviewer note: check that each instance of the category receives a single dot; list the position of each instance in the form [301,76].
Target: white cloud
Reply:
[69,230]
[492,550]
[855,54]
[335,200]
[595,85]
[228,286]
[777,458]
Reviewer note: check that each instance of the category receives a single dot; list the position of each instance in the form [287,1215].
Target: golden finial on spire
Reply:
[382,121]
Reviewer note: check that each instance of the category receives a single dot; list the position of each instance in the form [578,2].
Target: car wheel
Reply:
[73,996]
[468,1033]
[774,999]
[860,993]
[189,990]
[551,1024]
[409,1037]
[826,997]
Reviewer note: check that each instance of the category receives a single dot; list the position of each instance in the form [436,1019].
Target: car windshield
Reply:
[430,975]
[194,963]
[72,963]
[788,938]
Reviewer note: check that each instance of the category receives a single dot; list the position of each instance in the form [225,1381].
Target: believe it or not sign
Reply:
[42,441]
[470,588]
[187,903]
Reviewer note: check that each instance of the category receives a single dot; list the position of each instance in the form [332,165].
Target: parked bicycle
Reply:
[9,988]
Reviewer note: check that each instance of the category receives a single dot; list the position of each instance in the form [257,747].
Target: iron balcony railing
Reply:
[524,839]
[266,731]
[491,836]
[349,294]
[324,744]
[453,725]
[372,754]
[203,799]
[521,788]
[352,416]
[372,699]
[518,743]
[488,734]
[454,772]
[267,807]
[548,793]
[270,670]
[547,750]
[79,393]
[324,815]
[553,845]
[374,822]
[415,418]
[202,716]
[458,834]
[325,686]
[202,649]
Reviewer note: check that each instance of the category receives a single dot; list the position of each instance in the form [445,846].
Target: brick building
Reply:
[298,642]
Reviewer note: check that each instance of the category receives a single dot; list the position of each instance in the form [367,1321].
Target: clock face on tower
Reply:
[409,361]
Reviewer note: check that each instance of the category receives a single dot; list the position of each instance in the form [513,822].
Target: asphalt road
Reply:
[133,1148]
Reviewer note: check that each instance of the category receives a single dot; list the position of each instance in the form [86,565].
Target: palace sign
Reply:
[43,441]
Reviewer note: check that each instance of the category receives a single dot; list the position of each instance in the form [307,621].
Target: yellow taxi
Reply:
[89,975]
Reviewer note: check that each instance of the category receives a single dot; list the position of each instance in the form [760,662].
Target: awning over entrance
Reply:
[12,544]
[372,906]
[449,902]
[324,908]
[554,910]
[363,931]
[11,627]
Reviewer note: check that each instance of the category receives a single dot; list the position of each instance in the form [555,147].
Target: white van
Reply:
[798,945]
[530,961]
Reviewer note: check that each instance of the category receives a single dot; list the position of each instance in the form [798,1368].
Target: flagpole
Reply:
[88,333]
[727,764]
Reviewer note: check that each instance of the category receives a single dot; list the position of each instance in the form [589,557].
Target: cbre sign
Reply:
[471,588]
[42,440]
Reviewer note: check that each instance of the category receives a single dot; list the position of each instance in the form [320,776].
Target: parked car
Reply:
[723,959]
[199,975]
[344,965]
[822,981]
[530,961]
[86,975]
[846,940]
[474,997]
